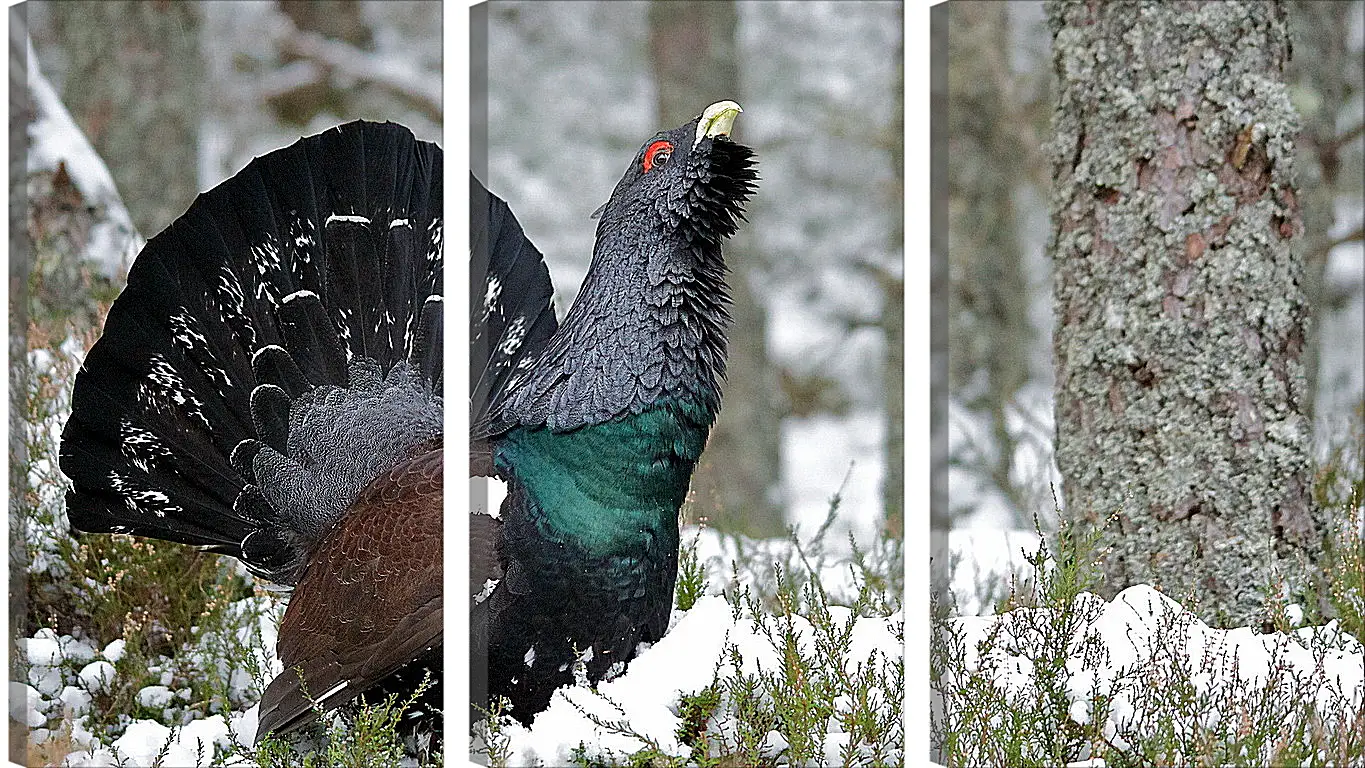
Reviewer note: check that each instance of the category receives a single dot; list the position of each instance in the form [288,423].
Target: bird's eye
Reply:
[657,155]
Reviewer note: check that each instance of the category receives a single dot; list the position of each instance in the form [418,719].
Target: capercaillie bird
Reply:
[269,386]
[595,424]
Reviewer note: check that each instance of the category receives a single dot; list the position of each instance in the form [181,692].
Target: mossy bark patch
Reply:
[1180,311]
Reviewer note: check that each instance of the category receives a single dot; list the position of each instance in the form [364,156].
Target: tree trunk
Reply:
[1321,29]
[1179,303]
[989,296]
[893,322]
[692,45]
[134,83]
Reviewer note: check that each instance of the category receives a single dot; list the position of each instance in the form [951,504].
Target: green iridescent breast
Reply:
[610,488]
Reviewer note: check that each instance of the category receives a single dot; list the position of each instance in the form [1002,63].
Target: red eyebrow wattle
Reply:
[653,151]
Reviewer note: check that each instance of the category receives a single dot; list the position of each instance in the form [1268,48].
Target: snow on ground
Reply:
[65,674]
[1140,624]
[193,744]
[684,660]
[1145,638]
[680,663]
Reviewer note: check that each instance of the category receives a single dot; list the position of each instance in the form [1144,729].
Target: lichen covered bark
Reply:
[1179,304]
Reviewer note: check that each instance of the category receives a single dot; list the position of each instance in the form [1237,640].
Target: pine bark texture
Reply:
[693,49]
[1179,303]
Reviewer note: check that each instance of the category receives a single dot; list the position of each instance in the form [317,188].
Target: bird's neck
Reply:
[648,327]
[660,305]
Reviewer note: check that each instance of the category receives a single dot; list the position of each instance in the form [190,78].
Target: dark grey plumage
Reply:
[651,314]
[597,426]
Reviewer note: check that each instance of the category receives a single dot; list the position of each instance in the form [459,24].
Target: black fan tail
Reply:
[285,300]
[511,305]
[427,353]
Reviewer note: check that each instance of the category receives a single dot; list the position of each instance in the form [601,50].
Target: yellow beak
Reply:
[717,120]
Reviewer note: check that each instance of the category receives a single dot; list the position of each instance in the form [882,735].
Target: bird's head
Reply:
[650,318]
[691,181]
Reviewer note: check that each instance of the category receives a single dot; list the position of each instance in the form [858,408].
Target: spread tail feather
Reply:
[276,348]
[512,312]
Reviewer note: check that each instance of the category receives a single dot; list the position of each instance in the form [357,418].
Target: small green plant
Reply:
[694,713]
[364,736]
[1339,490]
[490,736]
[691,576]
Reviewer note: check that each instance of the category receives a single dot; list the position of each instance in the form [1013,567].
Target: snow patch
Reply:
[97,677]
[679,664]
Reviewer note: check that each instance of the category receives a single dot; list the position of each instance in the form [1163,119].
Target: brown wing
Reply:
[369,602]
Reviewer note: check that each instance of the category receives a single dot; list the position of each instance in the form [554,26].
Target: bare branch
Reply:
[1337,142]
[1355,236]
[289,78]
[338,58]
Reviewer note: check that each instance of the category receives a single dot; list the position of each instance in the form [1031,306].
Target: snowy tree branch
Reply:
[72,196]
[323,57]
[1355,236]
[1341,140]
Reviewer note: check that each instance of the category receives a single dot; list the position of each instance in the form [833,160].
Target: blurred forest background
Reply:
[1000,386]
[133,108]
[177,97]
[813,403]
